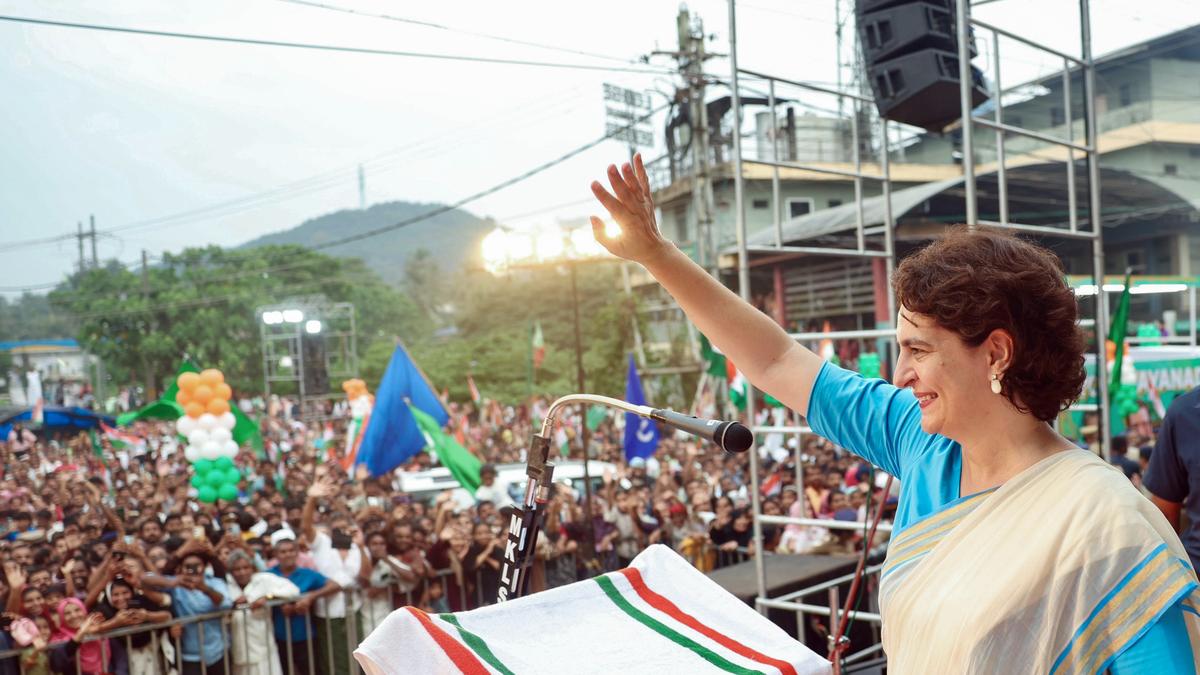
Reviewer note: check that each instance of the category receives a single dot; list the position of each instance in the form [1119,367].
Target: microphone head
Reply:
[736,437]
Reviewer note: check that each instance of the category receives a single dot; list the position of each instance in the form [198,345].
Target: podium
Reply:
[659,615]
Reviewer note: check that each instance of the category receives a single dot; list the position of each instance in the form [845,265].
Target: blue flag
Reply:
[392,435]
[641,434]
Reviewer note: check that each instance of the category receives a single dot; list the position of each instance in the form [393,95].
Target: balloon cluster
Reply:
[208,426]
[354,388]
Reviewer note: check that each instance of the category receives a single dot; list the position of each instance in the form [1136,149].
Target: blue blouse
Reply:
[883,423]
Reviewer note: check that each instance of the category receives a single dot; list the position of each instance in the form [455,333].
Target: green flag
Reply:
[462,464]
[595,416]
[1116,334]
[246,431]
[165,408]
[714,361]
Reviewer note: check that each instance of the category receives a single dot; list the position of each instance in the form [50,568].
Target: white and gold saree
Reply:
[1056,571]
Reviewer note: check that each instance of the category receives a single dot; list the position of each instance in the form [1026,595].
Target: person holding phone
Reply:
[341,557]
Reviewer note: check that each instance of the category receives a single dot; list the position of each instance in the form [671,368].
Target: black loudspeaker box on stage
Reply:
[911,50]
[316,375]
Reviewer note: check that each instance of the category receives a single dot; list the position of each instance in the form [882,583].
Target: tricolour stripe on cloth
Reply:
[459,655]
[662,629]
[669,608]
[478,644]
[1129,609]
[920,537]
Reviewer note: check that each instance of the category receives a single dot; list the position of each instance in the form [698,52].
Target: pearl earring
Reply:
[995,383]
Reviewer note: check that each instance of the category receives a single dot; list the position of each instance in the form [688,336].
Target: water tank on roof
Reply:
[813,138]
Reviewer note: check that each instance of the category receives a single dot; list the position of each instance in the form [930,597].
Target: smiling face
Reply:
[950,379]
[73,615]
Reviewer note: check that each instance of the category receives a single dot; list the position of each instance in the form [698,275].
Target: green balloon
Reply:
[232,475]
[223,463]
[208,494]
[215,479]
[202,466]
[228,492]
[198,481]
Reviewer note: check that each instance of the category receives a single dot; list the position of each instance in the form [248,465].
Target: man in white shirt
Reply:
[339,556]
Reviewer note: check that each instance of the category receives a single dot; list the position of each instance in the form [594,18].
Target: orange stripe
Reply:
[669,608]
[459,655]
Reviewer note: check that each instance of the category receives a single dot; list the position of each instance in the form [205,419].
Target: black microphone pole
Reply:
[523,526]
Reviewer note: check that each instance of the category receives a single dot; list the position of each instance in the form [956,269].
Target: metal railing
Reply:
[249,642]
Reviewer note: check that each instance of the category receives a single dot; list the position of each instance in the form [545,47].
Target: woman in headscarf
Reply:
[74,625]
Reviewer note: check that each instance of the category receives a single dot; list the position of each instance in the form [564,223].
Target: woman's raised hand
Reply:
[632,207]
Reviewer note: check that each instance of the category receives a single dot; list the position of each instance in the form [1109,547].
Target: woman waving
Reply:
[1013,551]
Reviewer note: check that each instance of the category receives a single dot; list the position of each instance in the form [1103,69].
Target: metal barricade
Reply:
[249,643]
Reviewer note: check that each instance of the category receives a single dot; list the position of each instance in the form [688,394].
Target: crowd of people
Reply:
[112,565]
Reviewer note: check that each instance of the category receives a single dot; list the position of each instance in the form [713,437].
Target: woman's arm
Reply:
[761,349]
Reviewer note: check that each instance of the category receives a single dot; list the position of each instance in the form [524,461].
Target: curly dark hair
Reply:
[974,281]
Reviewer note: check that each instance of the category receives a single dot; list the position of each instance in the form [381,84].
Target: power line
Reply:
[547,105]
[329,48]
[495,188]
[424,216]
[438,26]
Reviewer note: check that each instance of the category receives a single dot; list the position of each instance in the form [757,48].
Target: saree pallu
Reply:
[1057,571]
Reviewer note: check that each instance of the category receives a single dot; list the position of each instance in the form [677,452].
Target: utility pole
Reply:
[79,240]
[691,65]
[95,260]
[362,189]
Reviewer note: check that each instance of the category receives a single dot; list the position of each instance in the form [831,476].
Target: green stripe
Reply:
[650,622]
[476,644]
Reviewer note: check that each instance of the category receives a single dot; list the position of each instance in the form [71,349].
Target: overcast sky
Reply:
[248,140]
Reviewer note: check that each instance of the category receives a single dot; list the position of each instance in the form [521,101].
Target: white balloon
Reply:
[210,450]
[227,420]
[184,425]
[220,435]
[207,421]
[231,449]
[198,437]
[192,453]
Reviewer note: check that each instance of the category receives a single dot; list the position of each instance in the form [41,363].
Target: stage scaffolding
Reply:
[869,247]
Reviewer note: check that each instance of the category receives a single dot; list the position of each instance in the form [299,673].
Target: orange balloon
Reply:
[188,381]
[194,409]
[183,397]
[202,394]
[223,392]
[212,377]
[218,406]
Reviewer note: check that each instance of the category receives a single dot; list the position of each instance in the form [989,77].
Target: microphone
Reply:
[729,436]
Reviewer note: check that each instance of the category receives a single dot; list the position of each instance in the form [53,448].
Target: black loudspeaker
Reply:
[316,376]
[911,50]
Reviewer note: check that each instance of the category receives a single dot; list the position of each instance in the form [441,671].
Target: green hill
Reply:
[452,238]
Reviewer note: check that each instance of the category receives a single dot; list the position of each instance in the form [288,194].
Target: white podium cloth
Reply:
[660,615]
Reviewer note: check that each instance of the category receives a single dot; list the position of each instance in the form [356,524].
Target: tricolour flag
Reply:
[538,343]
[1116,335]
[641,434]
[475,397]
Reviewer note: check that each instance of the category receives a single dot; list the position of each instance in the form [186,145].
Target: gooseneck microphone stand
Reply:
[523,527]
